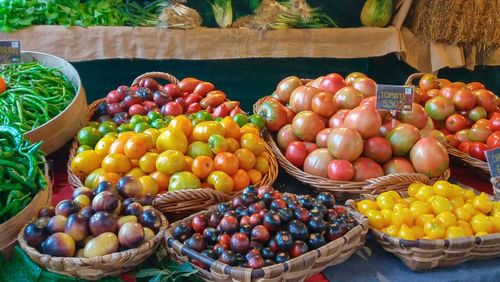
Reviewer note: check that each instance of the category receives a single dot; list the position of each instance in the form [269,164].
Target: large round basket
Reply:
[296,269]
[177,203]
[427,254]
[60,129]
[456,154]
[97,267]
[347,189]
[10,228]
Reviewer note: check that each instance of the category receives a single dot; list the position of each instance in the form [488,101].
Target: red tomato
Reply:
[340,170]
[172,108]
[274,113]
[324,104]
[332,83]
[188,84]
[427,95]
[171,90]
[428,82]
[203,88]
[456,122]
[447,92]
[493,141]
[486,99]
[193,98]
[310,146]
[475,86]
[476,150]
[464,146]
[494,123]
[463,99]
[296,153]
[452,140]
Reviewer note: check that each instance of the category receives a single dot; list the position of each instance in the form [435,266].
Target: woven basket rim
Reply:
[358,230]
[96,261]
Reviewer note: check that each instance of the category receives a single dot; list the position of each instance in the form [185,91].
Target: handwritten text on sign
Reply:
[493,158]
[394,97]
[10,52]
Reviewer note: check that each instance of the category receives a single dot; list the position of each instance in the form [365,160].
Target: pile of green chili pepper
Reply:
[35,94]
[21,172]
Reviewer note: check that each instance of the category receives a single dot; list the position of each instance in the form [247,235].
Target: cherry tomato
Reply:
[246,159]
[434,230]
[476,150]
[241,179]
[202,166]
[364,206]
[147,162]
[226,162]
[118,163]
[85,162]
[221,181]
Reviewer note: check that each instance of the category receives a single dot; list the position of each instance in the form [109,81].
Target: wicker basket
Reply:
[347,189]
[296,269]
[10,228]
[459,155]
[97,267]
[427,254]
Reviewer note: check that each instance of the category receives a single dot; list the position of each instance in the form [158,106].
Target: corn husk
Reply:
[177,15]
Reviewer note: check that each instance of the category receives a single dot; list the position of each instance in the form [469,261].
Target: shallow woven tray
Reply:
[420,255]
[296,269]
[97,267]
[347,189]
[456,154]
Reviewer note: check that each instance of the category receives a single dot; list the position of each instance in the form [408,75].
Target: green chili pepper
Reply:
[10,164]
[10,186]
[14,195]
[12,135]
[15,176]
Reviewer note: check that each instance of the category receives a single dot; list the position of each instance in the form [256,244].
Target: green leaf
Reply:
[149,272]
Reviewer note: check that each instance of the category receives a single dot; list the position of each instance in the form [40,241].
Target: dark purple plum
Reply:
[229,224]
[151,219]
[239,243]
[263,190]
[161,98]
[298,248]
[228,257]
[105,186]
[211,234]
[35,234]
[256,262]
[144,93]
[182,231]
[333,232]
[278,204]
[272,221]
[196,242]
[306,201]
[102,222]
[59,245]
[134,209]
[302,214]
[249,198]
[284,240]
[298,230]
[210,253]
[199,222]
[251,253]
[327,199]
[215,219]
[66,208]
[46,211]
[246,229]
[267,253]
[260,233]
[286,215]
[77,227]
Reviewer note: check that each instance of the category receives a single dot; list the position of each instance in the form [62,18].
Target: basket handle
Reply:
[156,74]
[169,202]
[412,77]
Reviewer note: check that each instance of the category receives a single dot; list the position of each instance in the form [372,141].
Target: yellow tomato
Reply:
[153,133]
[111,177]
[410,200]
[443,188]
[385,201]
[424,193]
[440,204]
[419,208]
[447,219]
[221,181]
[495,207]
[262,165]
[400,206]
[183,180]
[454,232]
[149,186]
[217,143]
[465,227]
[249,128]
[162,180]
[255,176]
[135,173]
[421,220]
[392,230]
[413,188]
[183,124]
[366,205]
[462,213]
[172,139]
[170,162]
[246,158]
[481,223]
[118,163]
[434,230]
[376,219]
[90,179]
[203,130]
[231,128]
[457,190]
[468,194]
[387,213]
[482,203]
[85,162]
[125,135]
[406,233]
[457,201]
[253,142]
[232,145]
[102,147]
[481,233]
[468,207]
[147,163]
[146,139]
[495,221]
[418,231]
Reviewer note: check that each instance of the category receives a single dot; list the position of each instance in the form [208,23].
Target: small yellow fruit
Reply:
[406,233]
[424,193]
[481,223]
[482,203]
[454,232]
[366,205]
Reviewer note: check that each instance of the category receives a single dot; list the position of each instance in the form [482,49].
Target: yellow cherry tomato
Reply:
[221,181]
[440,204]
[395,195]
[401,217]
[454,232]
[172,139]
[434,230]
[400,206]
[385,201]
[147,163]
[387,213]
[481,223]
[482,203]
[465,227]
[170,162]
[457,201]
[410,200]
[253,142]
[443,188]
[468,194]
[118,163]
[462,213]
[406,233]
[422,219]
[85,162]
[102,147]
[366,205]
[447,219]
[481,233]
[149,186]
[457,190]
[413,188]
[183,180]
[262,165]
[424,193]
[468,207]
[495,221]
[419,208]
[91,178]
[255,176]
[392,230]
[376,219]
[203,130]
[182,123]
[125,135]
[418,231]
[135,173]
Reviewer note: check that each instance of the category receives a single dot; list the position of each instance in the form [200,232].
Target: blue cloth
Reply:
[382,266]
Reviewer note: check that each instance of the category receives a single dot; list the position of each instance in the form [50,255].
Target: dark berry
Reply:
[268,198]
[268,262]
[229,224]
[272,221]
[281,257]
[237,202]
[249,189]
[333,232]
[246,229]
[218,248]
[231,213]
[182,231]
[240,243]
[249,198]
[327,199]
[211,235]
[256,207]
[260,233]
[256,262]
[262,190]
[284,240]
[285,214]
[240,260]
[210,253]
[224,239]
[214,219]
[316,225]
[287,197]
[273,246]
[278,204]
[240,211]
[267,253]
[332,215]
[255,219]
[306,201]
[223,207]
[256,245]
[316,240]
[302,214]
[228,257]
[251,253]
[298,248]
[245,220]
[322,209]
[315,213]
[196,242]
[199,222]
[293,205]
[298,230]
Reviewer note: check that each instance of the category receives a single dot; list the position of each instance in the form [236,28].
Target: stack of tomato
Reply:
[216,154]
[467,115]
[441,211]
[331,128]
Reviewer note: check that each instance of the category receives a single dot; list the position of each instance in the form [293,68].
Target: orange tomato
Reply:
[255,176]
[253,142]
[207,185]
[203,130]
[162,180]
[202,166]
[249,128]
[226,162]
[147,162]
[246,158]
[240,179]
[189,163]
[262,165]
[117,147]
[118,163]
[232,145]
[125,135]
[135,173]
[108,176]
[183,124]
[149,186]
[102,147]
[134,162]
[231,127]
[153,133]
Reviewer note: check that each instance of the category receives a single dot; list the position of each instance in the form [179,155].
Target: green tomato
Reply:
[83,148]
[204,115]
[107,127]
[198,148]
[158,123]
[219,119]
[94,124]
[125,127]
[88,136]
[154,115]
[141,126]
[167,119]
[183,180]
[240,119]
[257,120]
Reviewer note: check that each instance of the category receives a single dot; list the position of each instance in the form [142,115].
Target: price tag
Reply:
[394,97]
[10,52]
[493,159]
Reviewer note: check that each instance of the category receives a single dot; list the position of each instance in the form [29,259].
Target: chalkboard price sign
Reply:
[10,52]
[394,97]
[493,158]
